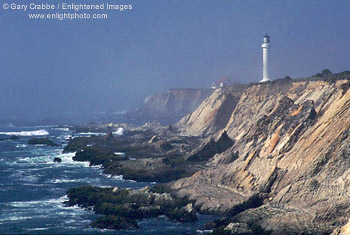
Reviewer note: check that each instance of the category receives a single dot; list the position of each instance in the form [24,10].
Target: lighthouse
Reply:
[265,46]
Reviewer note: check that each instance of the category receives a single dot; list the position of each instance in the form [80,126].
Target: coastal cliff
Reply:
[270,157]
[170,106]
[213,113]
[288,169]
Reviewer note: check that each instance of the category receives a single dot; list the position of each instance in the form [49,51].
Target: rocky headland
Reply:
[270,157]
[170,106]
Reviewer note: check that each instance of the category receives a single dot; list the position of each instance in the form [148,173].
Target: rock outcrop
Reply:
[121,208]
[288,169]
[42,141]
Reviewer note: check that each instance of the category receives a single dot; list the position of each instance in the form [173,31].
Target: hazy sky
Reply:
[50,67]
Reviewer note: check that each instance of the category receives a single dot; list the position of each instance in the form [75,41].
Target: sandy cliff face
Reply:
[170,106]
[292,140]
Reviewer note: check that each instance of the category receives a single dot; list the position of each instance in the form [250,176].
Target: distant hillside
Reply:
[170,106]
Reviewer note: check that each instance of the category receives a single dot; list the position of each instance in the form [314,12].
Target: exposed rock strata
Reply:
[291,149]
[213,113]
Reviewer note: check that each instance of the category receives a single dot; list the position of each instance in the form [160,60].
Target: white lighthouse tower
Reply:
[265,46]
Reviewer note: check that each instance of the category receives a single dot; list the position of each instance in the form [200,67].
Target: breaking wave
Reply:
[27,133]
[120,131]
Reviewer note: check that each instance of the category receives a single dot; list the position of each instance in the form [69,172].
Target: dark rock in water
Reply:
[57,159]
[122,207]
[97,155]
[114,222]
[14,137]
[43,141]
[109,136]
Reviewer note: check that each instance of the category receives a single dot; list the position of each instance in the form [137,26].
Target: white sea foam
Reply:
[64,137]
[21,145]
[89,133]
[59,181]
[38,202]
[14,218]
[204,231]
[37,229]
[120,131]
[67,159]
[61,128]
[65,180]
[117,177]
[27,133]
[120,154]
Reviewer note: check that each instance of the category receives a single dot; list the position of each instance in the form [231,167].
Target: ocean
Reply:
[33,188]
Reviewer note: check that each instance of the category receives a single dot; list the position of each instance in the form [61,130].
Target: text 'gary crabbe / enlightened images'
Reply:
[66,10]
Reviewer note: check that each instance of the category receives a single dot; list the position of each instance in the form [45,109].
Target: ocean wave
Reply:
[120,154]
[27,133]
[64,137]
[65,180]
[37,229]
[15,218]
[61,128]
[89,133]
[67,160]
[60,181]
[37,203]
[21,145]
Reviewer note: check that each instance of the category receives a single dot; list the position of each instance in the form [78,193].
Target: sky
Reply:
[52,67]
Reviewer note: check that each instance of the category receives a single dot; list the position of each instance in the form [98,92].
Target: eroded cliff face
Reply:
[170,106]
[213,113]
[291,150]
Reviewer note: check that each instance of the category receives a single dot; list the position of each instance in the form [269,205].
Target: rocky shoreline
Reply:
[271,158]
[150,153]
[121,208]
